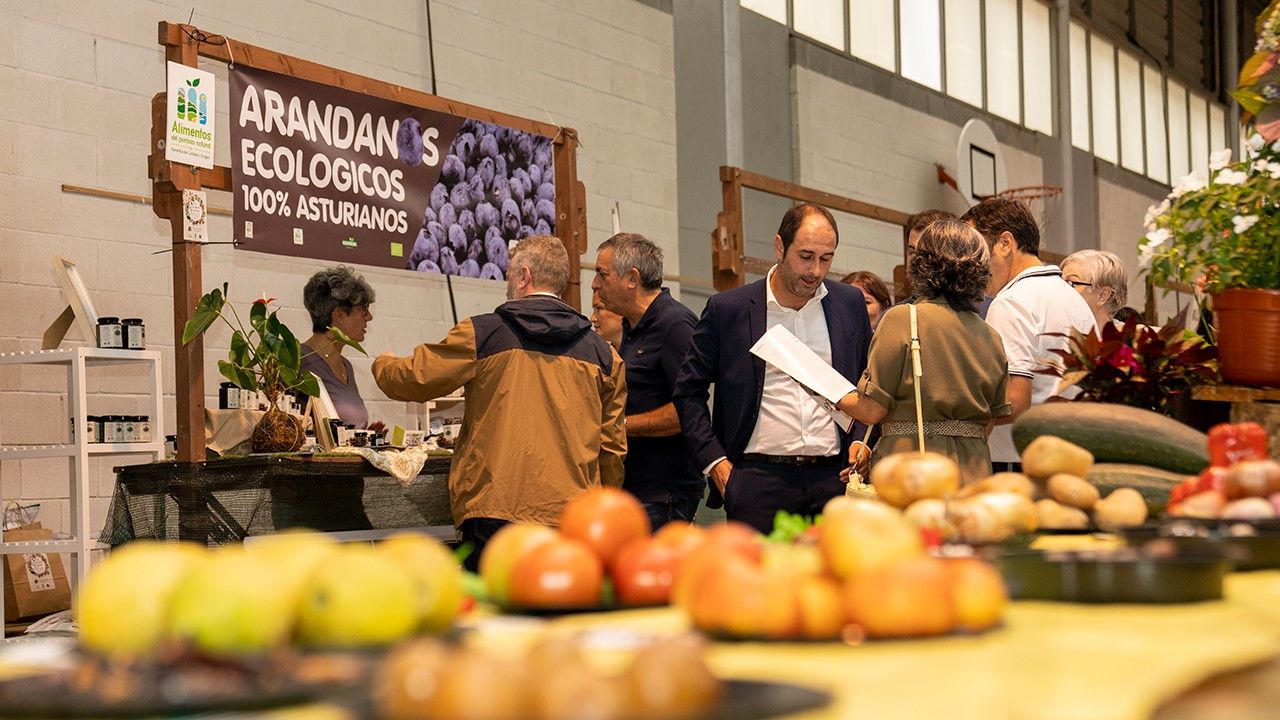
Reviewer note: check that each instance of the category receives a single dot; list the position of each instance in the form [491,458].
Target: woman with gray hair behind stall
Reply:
[1100,278]
[338,298]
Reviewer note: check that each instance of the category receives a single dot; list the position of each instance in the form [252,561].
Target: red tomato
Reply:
[644,572]
[681,537]
[604,519]
[561,573]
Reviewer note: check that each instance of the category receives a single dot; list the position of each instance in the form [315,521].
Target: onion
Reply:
[1252,478]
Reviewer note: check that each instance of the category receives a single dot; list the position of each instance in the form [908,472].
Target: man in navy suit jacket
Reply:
[769,446]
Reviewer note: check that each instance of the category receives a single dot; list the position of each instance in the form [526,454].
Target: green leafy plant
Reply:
[1135,364]
[789,526]
[1222,231]
[265,356]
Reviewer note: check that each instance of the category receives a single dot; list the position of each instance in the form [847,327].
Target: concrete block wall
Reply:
[76,80]
[1121,210]
[858,144]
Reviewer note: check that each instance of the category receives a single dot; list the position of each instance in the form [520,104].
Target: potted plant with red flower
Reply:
[265,357]
[1135,364]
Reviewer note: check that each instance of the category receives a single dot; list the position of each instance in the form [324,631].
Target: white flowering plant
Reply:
[1222,230]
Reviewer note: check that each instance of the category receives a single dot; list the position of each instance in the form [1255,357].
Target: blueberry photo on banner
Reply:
[496,186]
[323,172]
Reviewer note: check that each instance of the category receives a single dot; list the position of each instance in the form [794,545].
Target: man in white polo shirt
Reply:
[1031,299]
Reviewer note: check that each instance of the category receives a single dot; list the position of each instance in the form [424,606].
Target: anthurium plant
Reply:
[1135,364]
[265,356]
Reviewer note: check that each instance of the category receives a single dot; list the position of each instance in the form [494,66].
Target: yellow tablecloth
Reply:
[1050,661]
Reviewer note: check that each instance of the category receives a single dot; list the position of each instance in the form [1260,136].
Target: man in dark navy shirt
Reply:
[656,332]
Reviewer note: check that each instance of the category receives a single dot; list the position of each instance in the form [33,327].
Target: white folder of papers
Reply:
[783,350]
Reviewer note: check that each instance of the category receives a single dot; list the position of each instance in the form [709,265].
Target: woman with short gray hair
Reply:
[337,298]
[1100,278]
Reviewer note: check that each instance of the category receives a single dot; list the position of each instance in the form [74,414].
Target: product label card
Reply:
[189,130]
[194,210]
[39,572]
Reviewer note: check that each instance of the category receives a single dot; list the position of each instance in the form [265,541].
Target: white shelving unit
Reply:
[78,360]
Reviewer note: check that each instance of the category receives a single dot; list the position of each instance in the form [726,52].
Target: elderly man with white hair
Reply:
[1100,278]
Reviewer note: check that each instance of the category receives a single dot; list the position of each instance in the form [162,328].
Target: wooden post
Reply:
[727,243]
[170,179]
[571,211]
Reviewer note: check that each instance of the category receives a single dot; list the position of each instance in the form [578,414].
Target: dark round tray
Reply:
[1066,577]
[1258,551]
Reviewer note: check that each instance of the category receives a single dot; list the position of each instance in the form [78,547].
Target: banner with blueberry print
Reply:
[322,172]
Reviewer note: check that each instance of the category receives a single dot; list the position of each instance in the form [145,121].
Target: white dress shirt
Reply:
[1035,302]
[791,422]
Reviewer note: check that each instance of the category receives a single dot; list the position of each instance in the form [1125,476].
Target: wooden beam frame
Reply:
[185,44]
[729,262]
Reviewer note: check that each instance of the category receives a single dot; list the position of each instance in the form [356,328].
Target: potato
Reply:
[931,513]
[977,522]
[1123,508]
[904,478]
[1000,482]
[1250,508]
[1073,491]
[1014,509]
[1053,515]
[1047,456]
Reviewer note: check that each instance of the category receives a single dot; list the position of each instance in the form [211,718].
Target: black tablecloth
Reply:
[226,500]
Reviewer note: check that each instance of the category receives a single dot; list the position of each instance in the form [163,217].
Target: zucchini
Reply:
[1154,484]
[1117,434]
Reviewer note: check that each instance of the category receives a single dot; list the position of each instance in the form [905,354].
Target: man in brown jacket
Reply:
[545,400]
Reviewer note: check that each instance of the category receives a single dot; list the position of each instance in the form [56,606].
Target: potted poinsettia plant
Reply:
[265,356]
[1135,364]
[1220,232]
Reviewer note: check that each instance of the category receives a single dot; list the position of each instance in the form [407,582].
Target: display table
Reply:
[1050,661]
[1248,404]
[227,500]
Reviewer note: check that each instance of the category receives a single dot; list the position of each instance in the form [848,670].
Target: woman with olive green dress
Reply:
[964,371]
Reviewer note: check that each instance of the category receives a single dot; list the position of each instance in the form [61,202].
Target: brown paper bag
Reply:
[34,585]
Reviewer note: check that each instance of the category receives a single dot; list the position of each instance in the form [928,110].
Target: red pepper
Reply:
[1181,491]
[1211,478]
[1230,443]
[1191,486]
[932,538]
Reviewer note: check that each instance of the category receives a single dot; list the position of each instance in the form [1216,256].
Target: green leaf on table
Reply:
[788,526]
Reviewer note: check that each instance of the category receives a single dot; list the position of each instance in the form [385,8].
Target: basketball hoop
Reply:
[1040,200]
